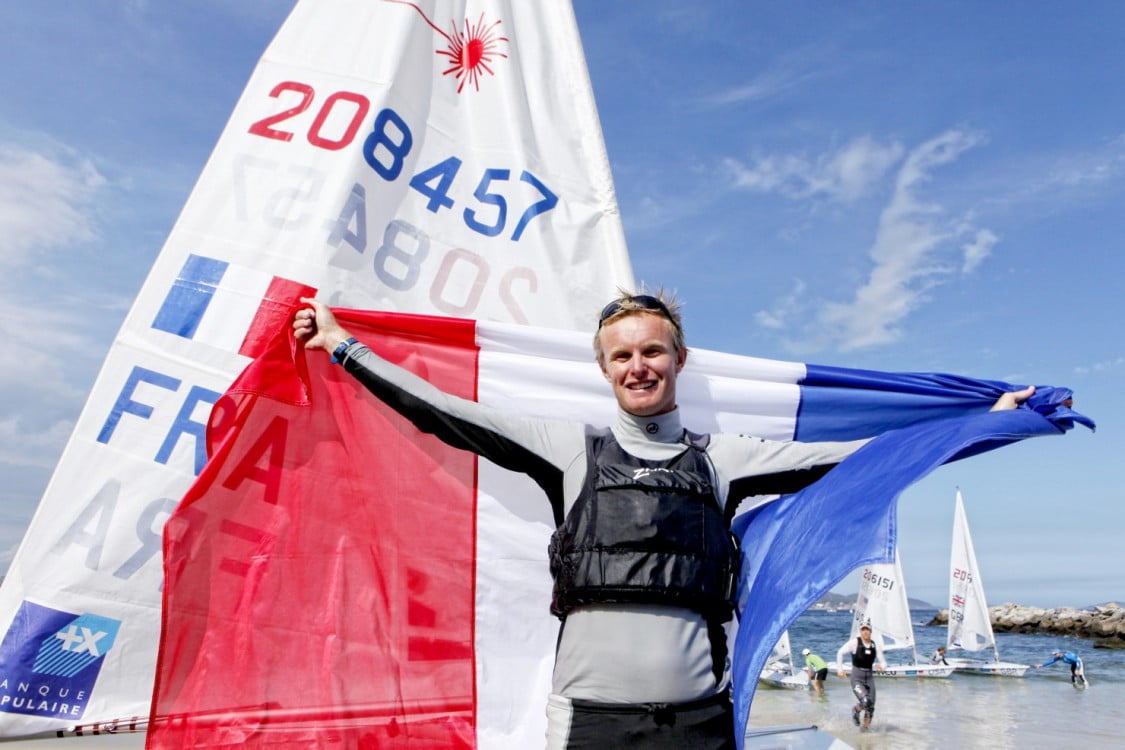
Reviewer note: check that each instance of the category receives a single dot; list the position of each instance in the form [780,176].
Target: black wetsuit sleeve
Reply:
[754,467]
[540,448]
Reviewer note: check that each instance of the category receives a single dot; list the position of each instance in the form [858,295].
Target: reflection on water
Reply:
[1040,710]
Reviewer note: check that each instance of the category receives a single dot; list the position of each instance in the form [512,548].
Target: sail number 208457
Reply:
[385,149]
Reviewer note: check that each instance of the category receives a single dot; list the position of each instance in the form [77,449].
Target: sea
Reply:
[1039,710]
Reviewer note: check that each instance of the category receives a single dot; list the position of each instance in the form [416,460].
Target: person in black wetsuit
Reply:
[864,653]
[642,560]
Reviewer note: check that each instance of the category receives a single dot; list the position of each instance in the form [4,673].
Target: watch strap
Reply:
[338,353]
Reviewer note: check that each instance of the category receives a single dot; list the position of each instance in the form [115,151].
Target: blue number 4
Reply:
[434,183]
[443,173]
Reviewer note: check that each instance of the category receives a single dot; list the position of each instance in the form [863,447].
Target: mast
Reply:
[789,652]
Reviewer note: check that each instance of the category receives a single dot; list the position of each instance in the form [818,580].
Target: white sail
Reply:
[883,604]
[781,650]
[416,157]
[780,671]
[970,627]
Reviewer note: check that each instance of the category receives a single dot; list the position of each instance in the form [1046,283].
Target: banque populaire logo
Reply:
[50,660]
[471,51]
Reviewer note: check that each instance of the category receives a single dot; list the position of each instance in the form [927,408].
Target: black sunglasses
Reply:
[641,302]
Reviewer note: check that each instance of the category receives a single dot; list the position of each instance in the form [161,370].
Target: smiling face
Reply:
[640,361]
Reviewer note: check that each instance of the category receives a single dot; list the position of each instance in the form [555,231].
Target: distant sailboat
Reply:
[780,671]
[970,628]
[882,603]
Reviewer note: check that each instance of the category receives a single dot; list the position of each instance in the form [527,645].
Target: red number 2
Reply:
[316,136]
[264,127]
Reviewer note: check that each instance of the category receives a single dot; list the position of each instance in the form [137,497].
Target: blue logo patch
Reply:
[50,660]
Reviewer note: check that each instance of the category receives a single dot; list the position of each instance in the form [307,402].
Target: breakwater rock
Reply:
[1104,624]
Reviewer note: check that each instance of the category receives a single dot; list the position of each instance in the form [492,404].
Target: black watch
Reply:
[338,353]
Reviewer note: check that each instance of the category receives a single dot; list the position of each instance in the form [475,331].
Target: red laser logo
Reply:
[470,51]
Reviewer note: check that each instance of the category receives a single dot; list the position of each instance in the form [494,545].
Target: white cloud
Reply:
[1050,182]
[763,86]
[41,388]
[784,310]
[43,202]
[977,249]
[1087,169]
[789,71]
[907,262]
[843,175]
[26,364]
[24,444]
[914,248]
[47,205]
[1099,367]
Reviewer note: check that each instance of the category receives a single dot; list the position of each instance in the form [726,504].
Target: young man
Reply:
[864,654]
[817,669]
[938,657]
[643,562]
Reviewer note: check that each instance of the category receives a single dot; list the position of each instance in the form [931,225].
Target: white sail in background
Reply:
[970,627]
[782,650]
[435,157]
[780,671]
[883,604]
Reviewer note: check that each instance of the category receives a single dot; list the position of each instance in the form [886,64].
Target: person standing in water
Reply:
[865,656]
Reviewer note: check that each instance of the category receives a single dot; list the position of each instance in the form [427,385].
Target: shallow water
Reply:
[1040,710]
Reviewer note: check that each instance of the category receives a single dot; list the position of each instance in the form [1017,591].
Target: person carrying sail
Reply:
[865,655]
[645,587]
[938,657]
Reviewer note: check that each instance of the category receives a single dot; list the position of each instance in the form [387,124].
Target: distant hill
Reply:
[835,601]
[832,600]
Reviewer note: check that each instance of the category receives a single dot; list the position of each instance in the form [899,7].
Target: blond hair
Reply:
[661,303]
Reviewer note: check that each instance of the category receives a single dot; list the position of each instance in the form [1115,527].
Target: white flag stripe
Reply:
[554,374]
[232,309]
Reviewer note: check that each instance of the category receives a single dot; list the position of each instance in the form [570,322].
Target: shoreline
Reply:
[1104,624]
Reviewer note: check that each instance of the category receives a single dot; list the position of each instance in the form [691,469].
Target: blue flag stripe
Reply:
[847,519]
[189,296]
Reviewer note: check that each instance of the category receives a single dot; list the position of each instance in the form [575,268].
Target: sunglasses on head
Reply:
[640,302]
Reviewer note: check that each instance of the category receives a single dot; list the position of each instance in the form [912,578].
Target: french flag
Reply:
[337,578]
[228,306]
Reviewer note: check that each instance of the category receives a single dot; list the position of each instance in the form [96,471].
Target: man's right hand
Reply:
[316,326]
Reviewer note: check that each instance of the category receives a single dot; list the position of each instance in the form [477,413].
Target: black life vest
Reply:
[645,532]
[864,656]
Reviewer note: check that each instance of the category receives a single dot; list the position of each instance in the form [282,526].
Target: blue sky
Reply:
[924,186]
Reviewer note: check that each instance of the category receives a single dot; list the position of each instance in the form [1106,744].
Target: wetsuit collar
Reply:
[662,428]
